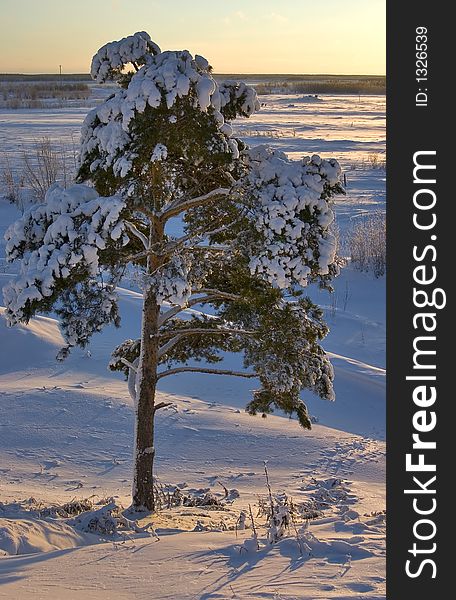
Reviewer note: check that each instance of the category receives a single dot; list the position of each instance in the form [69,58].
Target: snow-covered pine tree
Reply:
[256,231]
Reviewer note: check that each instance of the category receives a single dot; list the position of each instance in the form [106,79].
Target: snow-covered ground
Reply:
[66,429]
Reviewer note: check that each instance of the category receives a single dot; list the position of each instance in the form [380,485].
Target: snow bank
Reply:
[28,345]
[27,536]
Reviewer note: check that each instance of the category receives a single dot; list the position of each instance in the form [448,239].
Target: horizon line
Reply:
[80,74]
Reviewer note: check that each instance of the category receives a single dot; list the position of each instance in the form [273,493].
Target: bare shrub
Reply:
[171,496]
[40,166]
[375,160]
[43,166]
[9,180]
[13,103]
[366,242]
[12,183]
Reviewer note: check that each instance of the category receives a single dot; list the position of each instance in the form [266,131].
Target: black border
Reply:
[411,129]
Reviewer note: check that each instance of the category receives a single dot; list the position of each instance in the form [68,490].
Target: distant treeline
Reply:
[274,77]
[335,86]
[9,77]
[35,94]
[264,84]
[312,84]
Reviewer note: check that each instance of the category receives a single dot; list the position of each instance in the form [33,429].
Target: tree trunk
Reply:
[143,485]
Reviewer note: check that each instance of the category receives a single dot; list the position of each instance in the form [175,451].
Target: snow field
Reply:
[66,429]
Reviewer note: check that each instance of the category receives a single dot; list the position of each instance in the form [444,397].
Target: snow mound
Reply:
[28,536]
[29,527]
[31,345]
[346,549]
[310,98]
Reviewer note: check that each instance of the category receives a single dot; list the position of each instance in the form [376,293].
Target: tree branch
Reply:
[162,405]
[178,335]
[199,235]
[196,330]
[128,364]
[218,294]
[135,231]
[209,371]
[168,248]
[218,248]
[177,207]
[175,310]
[210,295]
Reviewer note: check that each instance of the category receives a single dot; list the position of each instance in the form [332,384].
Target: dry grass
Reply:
[331,86]
[366,242]
[375,160]
[43,167]
[15,95]
[39,167]
[11,183]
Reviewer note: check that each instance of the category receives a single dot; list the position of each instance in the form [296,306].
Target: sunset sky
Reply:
[252,36]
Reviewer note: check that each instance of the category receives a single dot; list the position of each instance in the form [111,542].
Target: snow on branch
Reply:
[59,238]
[180,206]
[292,214]
[238,99]
[108,62]
[175,310]
[219,294]
[132,377]
[163,78]
[207,295]
[130,365]
[198,330]
[198,236]
[135,231]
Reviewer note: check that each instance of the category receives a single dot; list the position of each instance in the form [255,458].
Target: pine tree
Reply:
[256,232]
